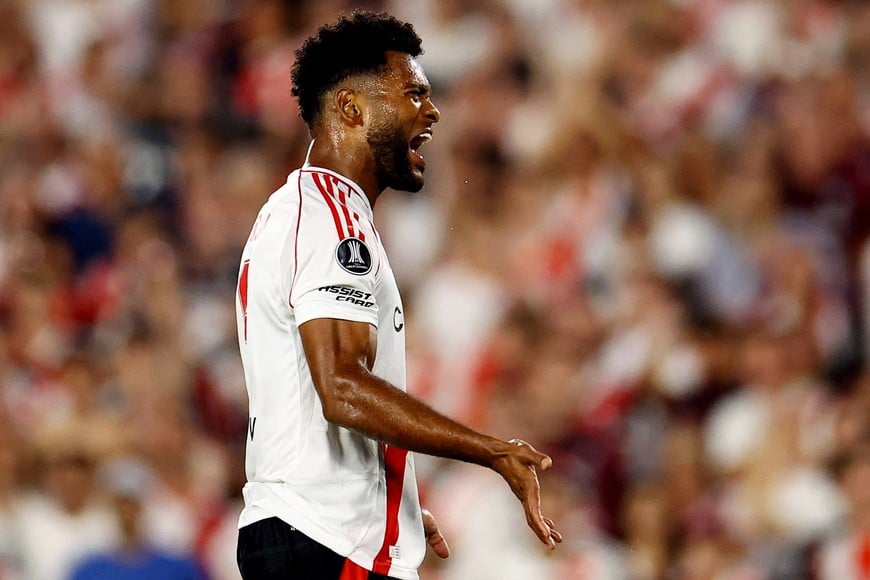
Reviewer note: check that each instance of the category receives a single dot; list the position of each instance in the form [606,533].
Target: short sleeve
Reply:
[335,275]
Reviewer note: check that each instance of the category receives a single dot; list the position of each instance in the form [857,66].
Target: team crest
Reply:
[354,256]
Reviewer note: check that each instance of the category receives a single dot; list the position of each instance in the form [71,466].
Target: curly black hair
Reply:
[355,44]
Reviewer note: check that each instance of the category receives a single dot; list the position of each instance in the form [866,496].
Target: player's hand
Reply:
[518,464]
[434,537]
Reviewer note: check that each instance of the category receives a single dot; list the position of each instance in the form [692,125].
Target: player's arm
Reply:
[340,355]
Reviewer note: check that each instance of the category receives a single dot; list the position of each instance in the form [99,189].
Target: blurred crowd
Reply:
[643,247]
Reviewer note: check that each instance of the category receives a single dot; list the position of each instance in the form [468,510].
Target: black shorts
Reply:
[272,549]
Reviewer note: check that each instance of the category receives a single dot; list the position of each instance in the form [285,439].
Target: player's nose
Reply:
[432,113]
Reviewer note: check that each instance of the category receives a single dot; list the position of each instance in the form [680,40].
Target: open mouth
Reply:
[417,142]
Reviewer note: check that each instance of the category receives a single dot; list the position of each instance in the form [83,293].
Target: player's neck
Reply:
[346,158]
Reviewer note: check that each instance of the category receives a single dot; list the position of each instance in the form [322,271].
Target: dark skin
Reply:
[365,121]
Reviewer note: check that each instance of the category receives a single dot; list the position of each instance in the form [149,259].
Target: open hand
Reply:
[518,464]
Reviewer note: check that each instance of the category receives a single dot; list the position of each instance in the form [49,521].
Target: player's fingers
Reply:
[541,529]
[434,537]
[430,524]
[534,517]
[439,545]
[554,533]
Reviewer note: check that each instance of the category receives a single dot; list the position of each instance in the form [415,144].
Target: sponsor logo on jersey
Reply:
[353,256]
[398,319]
[348,294]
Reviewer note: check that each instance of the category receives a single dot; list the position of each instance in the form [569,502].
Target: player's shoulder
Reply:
[327,185]
[325,200]
[285,195]
[298,197]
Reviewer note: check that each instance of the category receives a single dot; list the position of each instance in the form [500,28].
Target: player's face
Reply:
[401,122]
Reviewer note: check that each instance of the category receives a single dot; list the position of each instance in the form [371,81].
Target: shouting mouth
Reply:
[415,144]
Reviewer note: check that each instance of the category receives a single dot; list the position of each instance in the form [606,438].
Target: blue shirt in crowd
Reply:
[138,565]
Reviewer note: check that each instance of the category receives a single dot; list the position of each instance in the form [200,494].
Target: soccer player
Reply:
[331,492]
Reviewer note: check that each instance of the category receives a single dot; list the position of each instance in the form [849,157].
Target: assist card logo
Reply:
[354,256]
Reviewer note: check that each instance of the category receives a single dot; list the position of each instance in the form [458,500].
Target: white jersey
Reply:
[314,253]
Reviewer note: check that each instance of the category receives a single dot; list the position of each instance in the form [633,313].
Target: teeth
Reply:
[421,140]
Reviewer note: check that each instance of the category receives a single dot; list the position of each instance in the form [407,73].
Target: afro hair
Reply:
[355,44]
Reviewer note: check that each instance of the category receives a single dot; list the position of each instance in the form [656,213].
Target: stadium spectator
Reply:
[127,483]
[648,220]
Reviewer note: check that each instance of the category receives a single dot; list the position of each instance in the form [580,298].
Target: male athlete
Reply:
[331,492]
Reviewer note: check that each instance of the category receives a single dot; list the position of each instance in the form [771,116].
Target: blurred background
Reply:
[643,247]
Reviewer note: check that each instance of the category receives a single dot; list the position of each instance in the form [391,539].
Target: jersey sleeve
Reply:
[335,273]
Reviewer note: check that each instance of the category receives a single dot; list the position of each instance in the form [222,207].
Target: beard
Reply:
[391,151]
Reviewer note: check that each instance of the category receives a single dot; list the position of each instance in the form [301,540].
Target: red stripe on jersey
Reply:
[349,184]
[343,199]
[361,236]
[326,185]
[328,199]
[394,458]
[243,295]
[353,571]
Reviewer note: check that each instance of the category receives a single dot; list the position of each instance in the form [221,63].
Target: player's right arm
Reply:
[340,355]
[340,341]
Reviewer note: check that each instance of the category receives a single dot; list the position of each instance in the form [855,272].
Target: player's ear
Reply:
[347,102]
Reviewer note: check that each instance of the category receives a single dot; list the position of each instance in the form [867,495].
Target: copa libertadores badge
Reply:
[353,255]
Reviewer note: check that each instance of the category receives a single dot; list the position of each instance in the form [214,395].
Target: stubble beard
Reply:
[392,161]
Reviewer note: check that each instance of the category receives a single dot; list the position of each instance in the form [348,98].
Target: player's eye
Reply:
[416,97]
